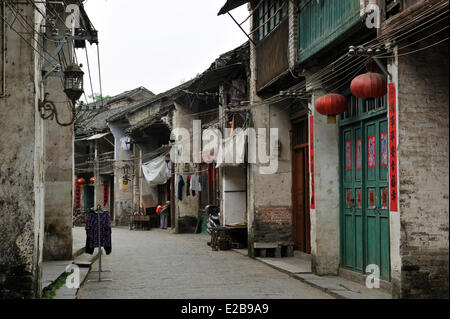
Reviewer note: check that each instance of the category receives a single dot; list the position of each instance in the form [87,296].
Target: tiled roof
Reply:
[92,121]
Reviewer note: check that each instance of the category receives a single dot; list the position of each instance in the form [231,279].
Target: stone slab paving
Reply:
[343,288]
[159,265]
[294,265]
[78,240]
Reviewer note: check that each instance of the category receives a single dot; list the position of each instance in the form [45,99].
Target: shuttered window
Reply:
[268,16]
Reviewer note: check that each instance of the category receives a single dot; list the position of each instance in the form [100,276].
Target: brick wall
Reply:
[423,170]
[273,224]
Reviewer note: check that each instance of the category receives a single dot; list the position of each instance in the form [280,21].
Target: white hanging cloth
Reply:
[228,155]
[195,183]
[156,171]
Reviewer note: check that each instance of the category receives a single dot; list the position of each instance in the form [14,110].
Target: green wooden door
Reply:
[376,191]
[364,194]
[89,193]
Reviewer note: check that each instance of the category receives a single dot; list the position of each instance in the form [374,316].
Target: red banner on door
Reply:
[105,193]
[77,195]
[311,161]
[393,169]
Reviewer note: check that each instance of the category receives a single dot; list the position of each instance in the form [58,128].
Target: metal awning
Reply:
[92,138]
[97,136]
[230,5]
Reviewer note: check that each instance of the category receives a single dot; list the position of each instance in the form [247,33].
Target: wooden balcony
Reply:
[272,55]
[322,22]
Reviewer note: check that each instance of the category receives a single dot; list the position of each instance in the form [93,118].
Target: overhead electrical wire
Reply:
[418,50]
[90,77]
[100,75]
[320,74]
[26,41]
[28,27]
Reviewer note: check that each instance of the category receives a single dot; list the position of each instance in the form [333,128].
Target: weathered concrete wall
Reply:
[21,168]
[59,175]
[325,216]
[273,192]
[123,194]
[423,152]
[189,205]
[144,113]
[394,218]
[269,196]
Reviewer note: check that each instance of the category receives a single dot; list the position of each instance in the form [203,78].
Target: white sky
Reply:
[157,44]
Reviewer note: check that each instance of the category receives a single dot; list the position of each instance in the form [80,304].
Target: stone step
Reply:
[78,252]
[67,293]
[86,260]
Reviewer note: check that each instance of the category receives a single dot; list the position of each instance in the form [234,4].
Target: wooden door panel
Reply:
[364,194]
[383,200]
[377,212]
[300,187]
[372,255]
[298,200]
[349,241]
[359,221]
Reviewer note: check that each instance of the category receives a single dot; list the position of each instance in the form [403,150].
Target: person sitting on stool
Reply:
[163,212]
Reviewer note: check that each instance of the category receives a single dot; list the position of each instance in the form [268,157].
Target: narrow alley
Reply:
[161,265]
[224,149]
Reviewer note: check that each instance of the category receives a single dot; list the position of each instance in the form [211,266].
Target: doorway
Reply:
[89,192]
[300,186]
[365,194]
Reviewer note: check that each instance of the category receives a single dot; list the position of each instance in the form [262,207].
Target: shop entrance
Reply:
[89,197]
[364,189]
[300,186]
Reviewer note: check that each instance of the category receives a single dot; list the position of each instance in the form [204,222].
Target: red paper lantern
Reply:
[331,105]
[81,181]
[369,85]
[92,180]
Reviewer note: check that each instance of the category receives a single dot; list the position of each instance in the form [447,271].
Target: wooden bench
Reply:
[142,221]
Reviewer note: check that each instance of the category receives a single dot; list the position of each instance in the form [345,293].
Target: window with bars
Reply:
[268,16]
[357,107]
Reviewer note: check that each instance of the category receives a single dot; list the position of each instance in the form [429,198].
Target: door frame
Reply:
[305,147]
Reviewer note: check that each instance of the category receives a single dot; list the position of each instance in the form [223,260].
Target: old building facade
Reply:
[353,194]
[102,152]
[37,152]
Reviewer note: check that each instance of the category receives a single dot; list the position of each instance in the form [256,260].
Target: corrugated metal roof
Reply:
[97,136]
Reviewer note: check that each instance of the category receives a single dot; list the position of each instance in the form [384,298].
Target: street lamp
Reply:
[73,87]
[73,82]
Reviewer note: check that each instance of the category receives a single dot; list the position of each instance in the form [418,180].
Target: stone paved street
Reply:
[157,264]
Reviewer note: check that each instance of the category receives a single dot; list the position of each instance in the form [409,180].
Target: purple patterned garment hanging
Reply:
[92,232]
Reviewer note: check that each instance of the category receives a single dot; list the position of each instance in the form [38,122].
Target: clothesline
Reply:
[190,173]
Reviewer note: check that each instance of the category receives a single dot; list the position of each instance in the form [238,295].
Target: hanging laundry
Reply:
[157,171]
[180,188]
[195,183]
[188,186]
[92,232]
[125,143]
